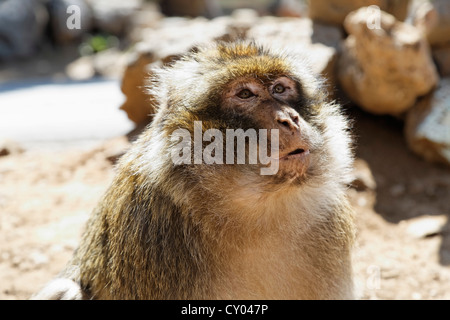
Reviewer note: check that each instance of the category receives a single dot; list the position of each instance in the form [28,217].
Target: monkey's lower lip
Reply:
[296,154]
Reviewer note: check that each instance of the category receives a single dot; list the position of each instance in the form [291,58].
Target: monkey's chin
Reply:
[293,167]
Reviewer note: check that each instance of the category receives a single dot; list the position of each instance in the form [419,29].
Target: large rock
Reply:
[335,11]
[385,69]
[427,127]
[433,19]
[137,105]
[22,24]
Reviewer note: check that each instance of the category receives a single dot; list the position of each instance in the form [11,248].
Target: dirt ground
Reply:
[46,197]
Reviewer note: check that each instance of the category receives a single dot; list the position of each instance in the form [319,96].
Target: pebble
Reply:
[426,226]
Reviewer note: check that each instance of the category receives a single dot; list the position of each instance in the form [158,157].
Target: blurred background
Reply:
[72,74]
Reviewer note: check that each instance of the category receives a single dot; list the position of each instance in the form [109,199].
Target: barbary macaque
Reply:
[191,218]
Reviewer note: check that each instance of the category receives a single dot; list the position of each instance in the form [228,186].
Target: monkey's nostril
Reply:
[288,124]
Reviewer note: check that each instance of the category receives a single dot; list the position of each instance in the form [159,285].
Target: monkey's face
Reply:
[273,104]
[242,86]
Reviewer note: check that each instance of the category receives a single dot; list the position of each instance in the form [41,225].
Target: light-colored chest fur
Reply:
[294,258]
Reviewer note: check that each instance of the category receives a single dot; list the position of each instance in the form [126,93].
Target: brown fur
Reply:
[221,231]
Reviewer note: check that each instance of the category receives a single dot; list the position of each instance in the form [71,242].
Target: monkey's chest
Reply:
[264,272]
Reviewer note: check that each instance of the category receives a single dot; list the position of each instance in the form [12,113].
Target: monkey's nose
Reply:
[288,120]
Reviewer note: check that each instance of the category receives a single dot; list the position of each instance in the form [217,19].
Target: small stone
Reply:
[38,258]
[363,178]
[426,226]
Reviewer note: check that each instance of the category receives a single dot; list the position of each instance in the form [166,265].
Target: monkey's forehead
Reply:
[229,61]
[242,59]
[262,67]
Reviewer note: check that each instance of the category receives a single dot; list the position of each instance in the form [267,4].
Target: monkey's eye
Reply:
[279,88]
[245,94]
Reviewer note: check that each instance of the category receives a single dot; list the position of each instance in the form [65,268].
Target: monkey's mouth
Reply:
[298,153]
[294,164]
